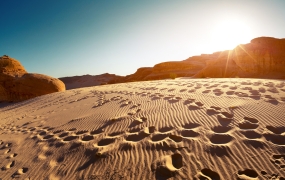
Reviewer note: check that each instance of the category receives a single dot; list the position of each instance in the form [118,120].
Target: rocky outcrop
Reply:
[17,85]
[263,57]
[140,75]
[88,80]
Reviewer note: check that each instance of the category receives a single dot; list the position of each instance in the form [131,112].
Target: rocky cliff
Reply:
[263,57]
[17,85]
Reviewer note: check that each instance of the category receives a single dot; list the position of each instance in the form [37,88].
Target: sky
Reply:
[63,38]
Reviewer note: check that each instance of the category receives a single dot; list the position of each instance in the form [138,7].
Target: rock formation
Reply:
[17,85]
[87,80]
[263,57]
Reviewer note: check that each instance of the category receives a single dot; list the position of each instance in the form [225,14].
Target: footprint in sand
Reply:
[168,166]
[251,134]
[116,133]
[97,131]
[57,131]
[106,142]
[252,120]
[7,145]
[72,129]
[279,160]
[81,132]
[159,137]
[225,117]
[12,156]
[247,174]
[221,129]
[20,172]
[8,166]
[189,101]
[63,134]
[165,129]
[6,152]
[70,138]
[189,133]
[194,106]
[43,133]
[87,138]
[220,139]
[248,123]
[48,136]
[213,110]
[241,94]
[206,91]
[207,174]
[174,99]
[191,126]
[272,176]
[277,139]
[176,138]
[134,130]
[276,130]
[218,92]
[230,92]
[136,137]
[192,90]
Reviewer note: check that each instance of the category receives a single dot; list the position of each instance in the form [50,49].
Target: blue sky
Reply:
[72,37]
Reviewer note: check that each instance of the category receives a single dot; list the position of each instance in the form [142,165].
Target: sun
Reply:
[228,33]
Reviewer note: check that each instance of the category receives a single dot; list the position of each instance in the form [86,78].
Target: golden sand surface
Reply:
[167,129]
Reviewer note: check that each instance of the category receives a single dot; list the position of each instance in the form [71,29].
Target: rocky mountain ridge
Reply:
[263,57]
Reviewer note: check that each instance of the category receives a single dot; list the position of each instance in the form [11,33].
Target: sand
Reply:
[168,129]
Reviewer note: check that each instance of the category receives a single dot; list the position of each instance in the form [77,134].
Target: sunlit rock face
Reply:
[263,57]
[17,85]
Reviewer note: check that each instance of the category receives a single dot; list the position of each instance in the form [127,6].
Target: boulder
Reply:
[17,85]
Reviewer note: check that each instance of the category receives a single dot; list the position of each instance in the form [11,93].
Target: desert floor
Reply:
[168,129]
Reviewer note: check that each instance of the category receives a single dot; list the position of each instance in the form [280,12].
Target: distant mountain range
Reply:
[263,57]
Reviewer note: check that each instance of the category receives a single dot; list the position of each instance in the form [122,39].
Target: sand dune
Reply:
[168,129]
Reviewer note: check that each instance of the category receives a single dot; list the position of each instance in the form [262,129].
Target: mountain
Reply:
[263,57]
[87,80]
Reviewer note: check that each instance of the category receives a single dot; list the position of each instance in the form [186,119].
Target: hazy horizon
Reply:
[69,38]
